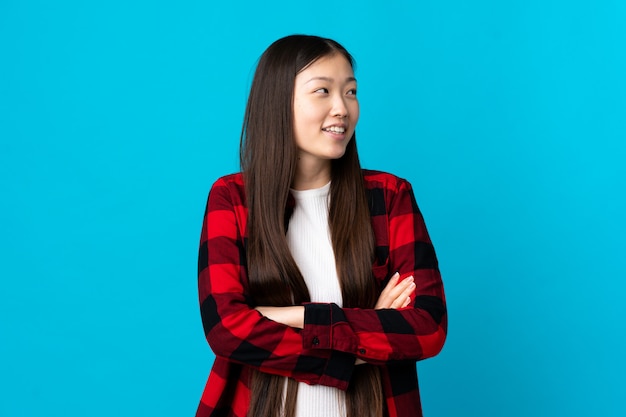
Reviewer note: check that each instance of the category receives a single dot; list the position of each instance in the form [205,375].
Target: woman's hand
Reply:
[396,294]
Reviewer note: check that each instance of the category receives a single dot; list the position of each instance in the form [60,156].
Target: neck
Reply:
[311,175]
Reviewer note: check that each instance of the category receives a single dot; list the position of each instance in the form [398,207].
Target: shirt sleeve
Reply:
[415,332]
[233,328]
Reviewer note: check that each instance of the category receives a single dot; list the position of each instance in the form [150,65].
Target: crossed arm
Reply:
[395,295]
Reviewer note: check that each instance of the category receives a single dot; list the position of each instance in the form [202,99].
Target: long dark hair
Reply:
[269,157]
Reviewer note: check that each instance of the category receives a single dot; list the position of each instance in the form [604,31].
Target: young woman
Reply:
[318,283]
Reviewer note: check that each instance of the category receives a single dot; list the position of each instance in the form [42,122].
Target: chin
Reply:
[337,155]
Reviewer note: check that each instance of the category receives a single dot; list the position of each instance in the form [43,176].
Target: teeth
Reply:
[336,129]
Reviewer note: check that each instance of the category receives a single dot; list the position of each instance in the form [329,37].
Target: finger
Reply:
[393,297]
[403,298]
[405,303]
[408,301]
[401,287]
[386,296]
[391,284]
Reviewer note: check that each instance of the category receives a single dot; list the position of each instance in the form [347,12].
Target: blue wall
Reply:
[509,118]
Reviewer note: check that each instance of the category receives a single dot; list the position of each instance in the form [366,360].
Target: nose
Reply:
[339,108]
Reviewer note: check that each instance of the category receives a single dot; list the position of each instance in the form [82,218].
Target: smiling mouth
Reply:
[334,129]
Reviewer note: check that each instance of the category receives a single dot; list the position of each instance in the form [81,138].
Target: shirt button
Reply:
[316,341]
[362,351]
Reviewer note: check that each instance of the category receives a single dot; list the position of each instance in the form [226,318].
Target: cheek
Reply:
[305,114]
[354,118]
[355,113]
[305,123]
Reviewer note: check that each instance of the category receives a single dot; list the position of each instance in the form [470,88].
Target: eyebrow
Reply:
[349,79]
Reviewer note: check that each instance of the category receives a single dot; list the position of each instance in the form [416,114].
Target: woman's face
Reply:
[326,109]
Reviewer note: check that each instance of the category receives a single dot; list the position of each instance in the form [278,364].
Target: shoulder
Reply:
[235,179]
[384,180]
[232,182]
[230,188]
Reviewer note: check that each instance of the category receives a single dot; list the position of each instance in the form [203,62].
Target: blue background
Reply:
[509,118]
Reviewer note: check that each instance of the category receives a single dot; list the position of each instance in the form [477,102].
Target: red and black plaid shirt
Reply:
[324,351]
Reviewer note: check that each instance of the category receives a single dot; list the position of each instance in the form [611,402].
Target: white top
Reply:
[308,237]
